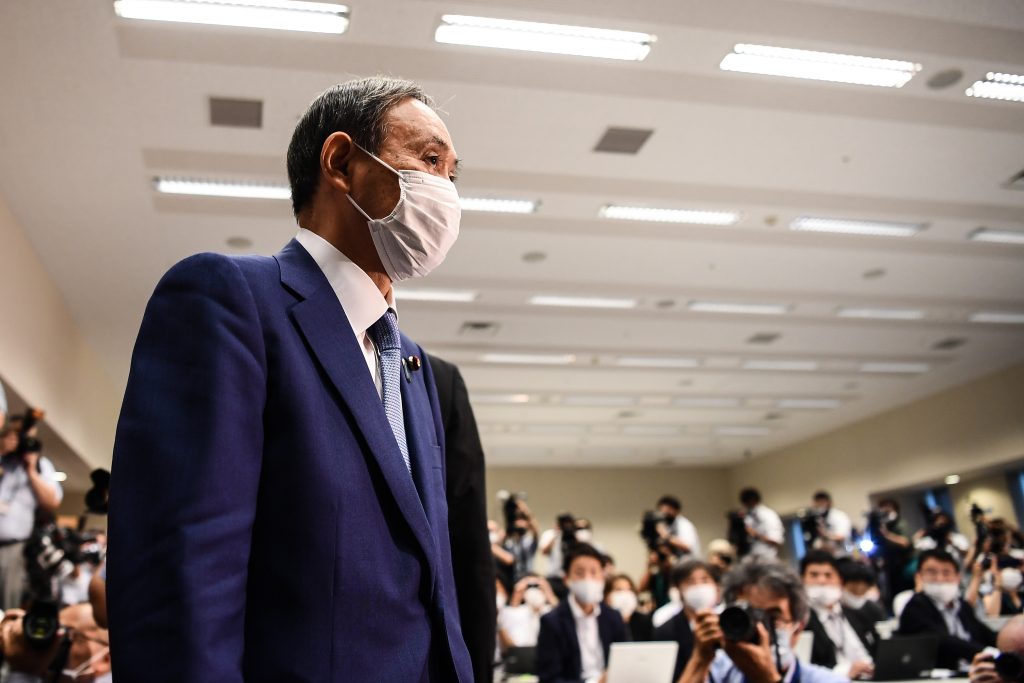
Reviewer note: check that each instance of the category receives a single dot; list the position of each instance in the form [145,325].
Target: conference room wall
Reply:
[990,492]
[966,430]
[614,499]
[44,355]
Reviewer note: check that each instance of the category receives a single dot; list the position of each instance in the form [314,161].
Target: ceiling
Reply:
[95,106]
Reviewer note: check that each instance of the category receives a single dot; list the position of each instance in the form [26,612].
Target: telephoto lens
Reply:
[740,623]
[1010,666]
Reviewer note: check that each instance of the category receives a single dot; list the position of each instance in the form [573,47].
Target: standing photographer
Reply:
[27,484]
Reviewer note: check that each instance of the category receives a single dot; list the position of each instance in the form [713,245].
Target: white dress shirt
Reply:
[359,296]
[767,523]
[951,615]
[838,524]
[589,637]
[685,531]
[849,648]
[521,624]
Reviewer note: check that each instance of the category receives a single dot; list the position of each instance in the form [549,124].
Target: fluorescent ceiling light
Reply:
[500,398]
[742,431]
[854,227]
[650,362]
[581,301]
[881,313]
[529,358]
[997,86]
[895,368]
[287,15]
[1002,236]
[650,430]
[953,480]
[598,401]
[555,430]
[532,36]
[643,213]
[705,402]
[809,403]
[492,205]
[60,476]
[1002,317]
[819,66]
[734,307]
[448,295]
[216,188]
[783,365]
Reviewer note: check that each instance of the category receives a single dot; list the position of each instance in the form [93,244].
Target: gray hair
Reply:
[774,577]
[359,108]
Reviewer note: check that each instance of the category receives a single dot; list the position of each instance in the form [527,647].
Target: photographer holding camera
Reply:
[1008,665]
[753,640]
[27,485]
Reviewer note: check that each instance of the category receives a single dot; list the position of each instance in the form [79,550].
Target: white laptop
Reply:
[642,662]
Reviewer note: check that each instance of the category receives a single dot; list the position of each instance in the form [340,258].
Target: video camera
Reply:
[652,529]
[27,443]
[737,532]
[511,511]
[812,522]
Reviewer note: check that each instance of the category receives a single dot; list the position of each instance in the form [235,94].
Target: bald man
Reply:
[1009,641]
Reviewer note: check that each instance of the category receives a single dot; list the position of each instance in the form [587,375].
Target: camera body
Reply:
[737,532]
[510,509]
[739,623]
[1010,666]
[811,523]
[652,528]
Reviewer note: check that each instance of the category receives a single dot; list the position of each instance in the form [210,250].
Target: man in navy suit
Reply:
[575,638]
[277,504]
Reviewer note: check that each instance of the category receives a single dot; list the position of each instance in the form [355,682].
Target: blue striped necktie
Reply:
[388,340]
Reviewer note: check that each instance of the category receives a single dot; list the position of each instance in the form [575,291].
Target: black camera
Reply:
[737,532]
[510,508]
[27,443]
[652,531]
[1010,666]
[811,524]
[739,623]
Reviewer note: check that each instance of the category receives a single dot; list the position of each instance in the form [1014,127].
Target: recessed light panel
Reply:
[533,36]
[737,307]
[856,227]
[654,362]
[287,15]
[500,398]
[781,365]
[596,401]
[706,402]
[582,301]
[656,215]
[819,66]
[529,358]
[999,86]
[217,188]
[446,295]
[895,368]
[998,317]
[498,205]
[1000,236]
[881,313]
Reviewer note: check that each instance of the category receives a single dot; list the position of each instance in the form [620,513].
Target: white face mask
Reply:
[1011,578]
[701,596]
[784,638]
[535,598]
[824,596]
[854,601]
[416,236]
[944,593]
[624,601]
[588,591]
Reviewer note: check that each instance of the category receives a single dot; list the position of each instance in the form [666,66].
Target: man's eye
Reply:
[434,159]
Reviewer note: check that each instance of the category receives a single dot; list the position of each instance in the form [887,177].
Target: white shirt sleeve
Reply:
[49,473]
[687,533]
[839,523]
[773,529]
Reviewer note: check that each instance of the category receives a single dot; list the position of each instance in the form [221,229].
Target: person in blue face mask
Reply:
[277,507]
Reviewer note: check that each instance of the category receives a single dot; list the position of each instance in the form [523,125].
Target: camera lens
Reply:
[1010,667]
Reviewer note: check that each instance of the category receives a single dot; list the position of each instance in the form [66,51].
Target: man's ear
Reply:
[335,156]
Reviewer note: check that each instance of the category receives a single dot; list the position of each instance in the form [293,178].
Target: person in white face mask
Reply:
[697,583]
[860,589]
[519,622]
[281,441]
[938,609]
[576,636]
[776,591]
[622,596]
[844,639]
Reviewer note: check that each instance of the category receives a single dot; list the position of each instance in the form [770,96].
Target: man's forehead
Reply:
[414,123]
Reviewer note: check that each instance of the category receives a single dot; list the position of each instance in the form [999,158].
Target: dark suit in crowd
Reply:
[824,652]
[472,562]
[558,650]
[677,629]
[922,616]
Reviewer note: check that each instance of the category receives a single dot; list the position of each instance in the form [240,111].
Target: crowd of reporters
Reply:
[853,589]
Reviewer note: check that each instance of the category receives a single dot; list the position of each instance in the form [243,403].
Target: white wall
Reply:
[44,356]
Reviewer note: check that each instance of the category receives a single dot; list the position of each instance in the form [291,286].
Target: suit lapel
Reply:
[419,429]
[322,322]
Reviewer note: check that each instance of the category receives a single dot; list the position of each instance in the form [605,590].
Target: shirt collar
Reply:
[577,610]
[825,612]
[359,296]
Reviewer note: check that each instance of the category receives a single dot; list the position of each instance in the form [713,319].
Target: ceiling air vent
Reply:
[225,111]
[764,338]
[949,344]
[623,140]
[479,329]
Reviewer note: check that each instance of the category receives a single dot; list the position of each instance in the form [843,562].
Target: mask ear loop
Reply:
[75,673]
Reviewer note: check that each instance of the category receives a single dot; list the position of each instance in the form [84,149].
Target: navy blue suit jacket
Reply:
[263,525]
[558,648]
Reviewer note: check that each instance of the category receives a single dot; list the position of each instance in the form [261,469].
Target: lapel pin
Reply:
[411,365]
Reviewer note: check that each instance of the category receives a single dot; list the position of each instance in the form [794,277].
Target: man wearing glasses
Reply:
[777,591]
